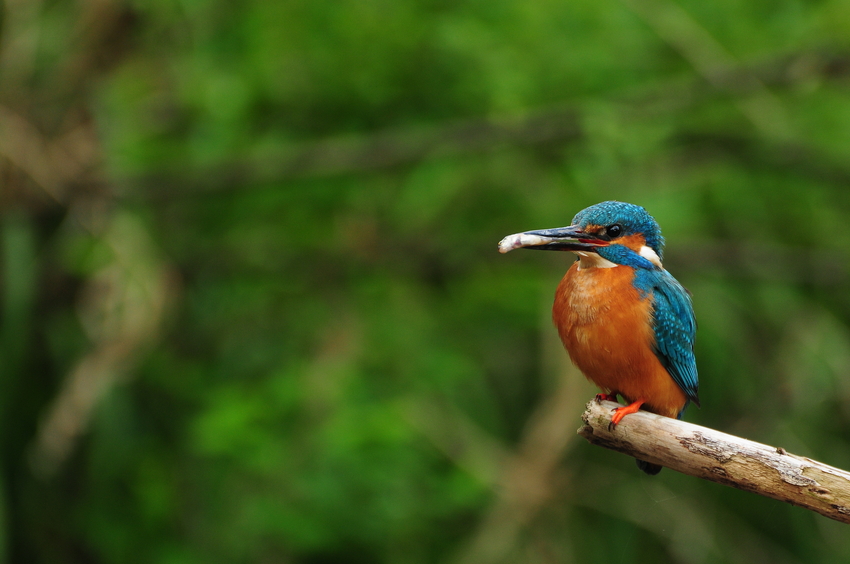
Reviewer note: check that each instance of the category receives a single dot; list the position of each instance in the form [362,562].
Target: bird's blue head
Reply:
[619,220]
[618,232]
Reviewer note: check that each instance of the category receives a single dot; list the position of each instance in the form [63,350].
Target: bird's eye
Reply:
[614,231]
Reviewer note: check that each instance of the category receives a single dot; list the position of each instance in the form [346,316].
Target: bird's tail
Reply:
[648,467]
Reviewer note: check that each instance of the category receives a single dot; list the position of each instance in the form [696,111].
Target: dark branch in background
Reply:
[556,125]
[725,459]
[382,150]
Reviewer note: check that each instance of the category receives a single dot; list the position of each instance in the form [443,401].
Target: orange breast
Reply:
[607,331]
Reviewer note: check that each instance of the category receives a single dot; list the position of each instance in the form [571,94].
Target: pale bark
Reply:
[719,457]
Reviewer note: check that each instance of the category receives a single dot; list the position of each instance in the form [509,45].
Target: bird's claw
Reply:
[616,417]
[606,397]
[620,412]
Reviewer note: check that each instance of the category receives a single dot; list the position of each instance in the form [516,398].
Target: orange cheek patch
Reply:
[635,242]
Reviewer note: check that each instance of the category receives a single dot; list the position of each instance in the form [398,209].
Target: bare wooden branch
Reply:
[722,458]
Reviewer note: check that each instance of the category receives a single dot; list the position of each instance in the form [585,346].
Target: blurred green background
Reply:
[252,308]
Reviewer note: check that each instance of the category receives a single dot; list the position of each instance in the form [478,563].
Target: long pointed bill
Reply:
[570,238]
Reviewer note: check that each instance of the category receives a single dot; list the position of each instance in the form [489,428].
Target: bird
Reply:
[626,323]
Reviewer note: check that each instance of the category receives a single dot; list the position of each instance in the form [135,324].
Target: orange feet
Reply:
[606,397]
[621,412]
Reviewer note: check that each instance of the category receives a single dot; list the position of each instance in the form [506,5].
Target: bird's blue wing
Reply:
[675,329]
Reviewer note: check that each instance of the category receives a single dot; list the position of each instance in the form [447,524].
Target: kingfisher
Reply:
[626,323]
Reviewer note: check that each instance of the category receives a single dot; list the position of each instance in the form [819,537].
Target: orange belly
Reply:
[607,331]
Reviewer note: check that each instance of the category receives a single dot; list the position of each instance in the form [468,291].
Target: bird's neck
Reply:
[619,255]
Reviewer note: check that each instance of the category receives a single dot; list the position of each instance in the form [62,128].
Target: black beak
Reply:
[570,238]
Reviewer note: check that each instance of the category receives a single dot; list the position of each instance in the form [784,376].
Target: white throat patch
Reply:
[592,260]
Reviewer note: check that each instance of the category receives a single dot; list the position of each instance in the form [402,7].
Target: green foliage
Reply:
[342,358]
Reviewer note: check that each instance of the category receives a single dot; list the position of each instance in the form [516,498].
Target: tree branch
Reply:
[725,459]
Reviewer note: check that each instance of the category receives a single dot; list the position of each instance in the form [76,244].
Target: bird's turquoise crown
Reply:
[631,218]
